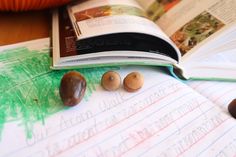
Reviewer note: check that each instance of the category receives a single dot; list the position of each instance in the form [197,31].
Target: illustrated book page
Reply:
[204,32]
[109,32]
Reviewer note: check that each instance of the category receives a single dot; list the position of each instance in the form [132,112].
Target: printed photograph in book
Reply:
[196,31]
[108,10]
[67,36]
[159,7]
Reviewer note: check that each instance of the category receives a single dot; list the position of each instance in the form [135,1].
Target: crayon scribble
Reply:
[29,89]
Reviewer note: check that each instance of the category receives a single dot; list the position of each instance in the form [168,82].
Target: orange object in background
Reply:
[169,5]
[24,5]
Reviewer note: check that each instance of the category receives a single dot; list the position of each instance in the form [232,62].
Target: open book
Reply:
[196,39]
[164,118]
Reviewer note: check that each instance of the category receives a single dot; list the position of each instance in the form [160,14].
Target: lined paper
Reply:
[164,118]
[220,93]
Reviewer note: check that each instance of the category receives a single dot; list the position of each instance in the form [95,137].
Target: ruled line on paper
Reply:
[170,114]
[220,93]
[216,140]
[178,147]
[187,124]
[159,131]
[228,150]
[158,86]
[123,120]
[202,137]
[206,87]
[184,114]
[199,85]
[224,94]
[162,83]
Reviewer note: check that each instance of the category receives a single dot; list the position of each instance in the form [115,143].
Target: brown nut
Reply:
[232,108]
[72,88]
[133,82]
[111,81]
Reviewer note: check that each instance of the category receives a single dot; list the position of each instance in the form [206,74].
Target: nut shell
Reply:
[133,82]
[111,81]
[72,88]
[232,108]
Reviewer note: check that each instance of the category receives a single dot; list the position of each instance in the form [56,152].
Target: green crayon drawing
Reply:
[29,89]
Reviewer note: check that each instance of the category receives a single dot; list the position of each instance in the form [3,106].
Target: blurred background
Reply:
[23,20]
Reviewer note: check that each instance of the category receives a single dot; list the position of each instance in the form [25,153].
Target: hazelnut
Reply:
[72,88]
[133,82]
[232,108]
[111,81]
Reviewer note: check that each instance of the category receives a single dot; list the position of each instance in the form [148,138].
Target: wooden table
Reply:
[24,26]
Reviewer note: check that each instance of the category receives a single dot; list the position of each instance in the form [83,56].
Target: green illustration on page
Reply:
[29,89]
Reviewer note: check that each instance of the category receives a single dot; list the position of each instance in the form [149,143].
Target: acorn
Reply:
[232,108]
[111,81]
[72,88]
[133,82]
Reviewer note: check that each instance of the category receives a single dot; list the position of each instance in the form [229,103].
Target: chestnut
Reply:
[72,88]
[232,108]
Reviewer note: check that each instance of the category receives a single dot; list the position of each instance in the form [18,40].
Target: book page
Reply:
[93,18]
[220,93]
[164,118]
[121,48]
[216,59]
[204,31]
[206,20]
[155,9]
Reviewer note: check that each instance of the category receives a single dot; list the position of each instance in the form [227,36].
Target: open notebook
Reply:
[165,118]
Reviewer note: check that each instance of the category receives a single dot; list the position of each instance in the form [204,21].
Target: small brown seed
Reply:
[133,82]
[111,81]
[232,108]
[72,88]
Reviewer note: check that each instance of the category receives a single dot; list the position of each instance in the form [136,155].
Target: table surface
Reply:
[24,26]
